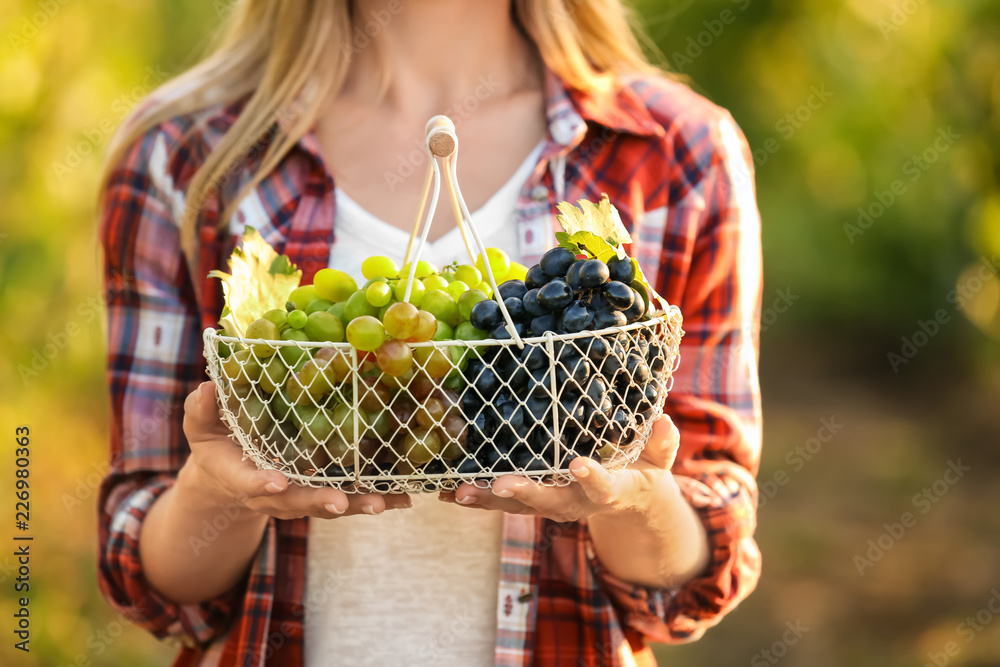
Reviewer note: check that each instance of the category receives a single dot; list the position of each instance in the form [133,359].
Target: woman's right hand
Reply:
[217,474]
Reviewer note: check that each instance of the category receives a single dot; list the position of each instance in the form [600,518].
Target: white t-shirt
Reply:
[415,586]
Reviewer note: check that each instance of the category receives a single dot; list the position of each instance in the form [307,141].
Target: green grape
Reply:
[394,358]
[317,305]
[242,368]
[334,285]
[337,310]
[424,269]
[357,306]
[303,295]
[443,332]
[253,416]
[321,326]
[517,271]
[378,294]
[460,356]
[279,316]
[469,275]
[274,374]
[468,300]
[343,421]
[465,331]
[448,275]
[365,333]
[499,264]
[435,282]
[400,320]
[264,329]
[416,295]
[376,279]
[317,425]
[316,378]
[457,288]
[384,309]
[421,446]
[441,305]
[427,326]
[379,265]
[297,319]
[280,404]
[291,353]
[436,363]
[485,288]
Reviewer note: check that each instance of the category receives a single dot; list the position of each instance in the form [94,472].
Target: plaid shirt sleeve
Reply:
[715,400]
[154,361]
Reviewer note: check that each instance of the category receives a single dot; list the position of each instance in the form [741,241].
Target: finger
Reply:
[376,503]
[201,413]
[222,461]
[563,503]
[474,497]
[324,503]
[602,487]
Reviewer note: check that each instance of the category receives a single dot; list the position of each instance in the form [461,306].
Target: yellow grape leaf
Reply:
[259,280]
[599,219]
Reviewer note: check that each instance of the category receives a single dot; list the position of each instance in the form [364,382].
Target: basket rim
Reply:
[664,316]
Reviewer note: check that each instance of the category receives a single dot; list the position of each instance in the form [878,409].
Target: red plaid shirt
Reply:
[680,173]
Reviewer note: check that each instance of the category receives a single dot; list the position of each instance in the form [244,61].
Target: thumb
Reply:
[201,412]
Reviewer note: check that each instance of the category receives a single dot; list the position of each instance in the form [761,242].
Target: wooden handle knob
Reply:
[441,138]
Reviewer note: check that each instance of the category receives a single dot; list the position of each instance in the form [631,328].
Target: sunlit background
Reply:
[875,126]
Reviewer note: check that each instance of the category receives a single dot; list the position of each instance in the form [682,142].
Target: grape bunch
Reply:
[305,396]
[599,389]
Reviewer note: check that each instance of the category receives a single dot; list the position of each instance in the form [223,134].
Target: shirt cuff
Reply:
[683,614]
[124,507]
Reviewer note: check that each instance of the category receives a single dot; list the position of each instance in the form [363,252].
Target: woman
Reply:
[302,124]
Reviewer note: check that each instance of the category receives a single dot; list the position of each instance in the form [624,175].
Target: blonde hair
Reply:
[271,53]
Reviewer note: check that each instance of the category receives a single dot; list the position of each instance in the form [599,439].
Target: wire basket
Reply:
[323,414]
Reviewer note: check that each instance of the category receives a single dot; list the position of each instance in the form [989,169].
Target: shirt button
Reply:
[540,193]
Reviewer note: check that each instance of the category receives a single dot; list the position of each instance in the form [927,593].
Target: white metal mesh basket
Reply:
[471,411]
[468,411]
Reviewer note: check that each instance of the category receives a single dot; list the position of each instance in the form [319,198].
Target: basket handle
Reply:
[442,142]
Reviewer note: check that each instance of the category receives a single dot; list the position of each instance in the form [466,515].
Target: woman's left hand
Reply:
[595,490]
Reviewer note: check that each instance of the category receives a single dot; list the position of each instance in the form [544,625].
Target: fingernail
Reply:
[468,500]
[273,487]
[582,471]
[503,493]
[333,509]
[368,509]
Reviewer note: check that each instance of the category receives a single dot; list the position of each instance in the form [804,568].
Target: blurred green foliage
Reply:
[836,99]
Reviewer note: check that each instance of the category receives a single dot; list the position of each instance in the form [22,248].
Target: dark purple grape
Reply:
[621,270]
[539,384]
[543,323]
[535,277]
[516,309]
[598,349]
[597,390]
[604,319]
[487,384]
[469,466]
[534,356]
[575,370]
[500,331]
[530,303]
[511,288]
[486,315]
[511,414]
[619,295]
[593,273]
[536,408]
[633,312]
[556,262]
[554,295]
[577,317]
[637,369]
[573,275]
